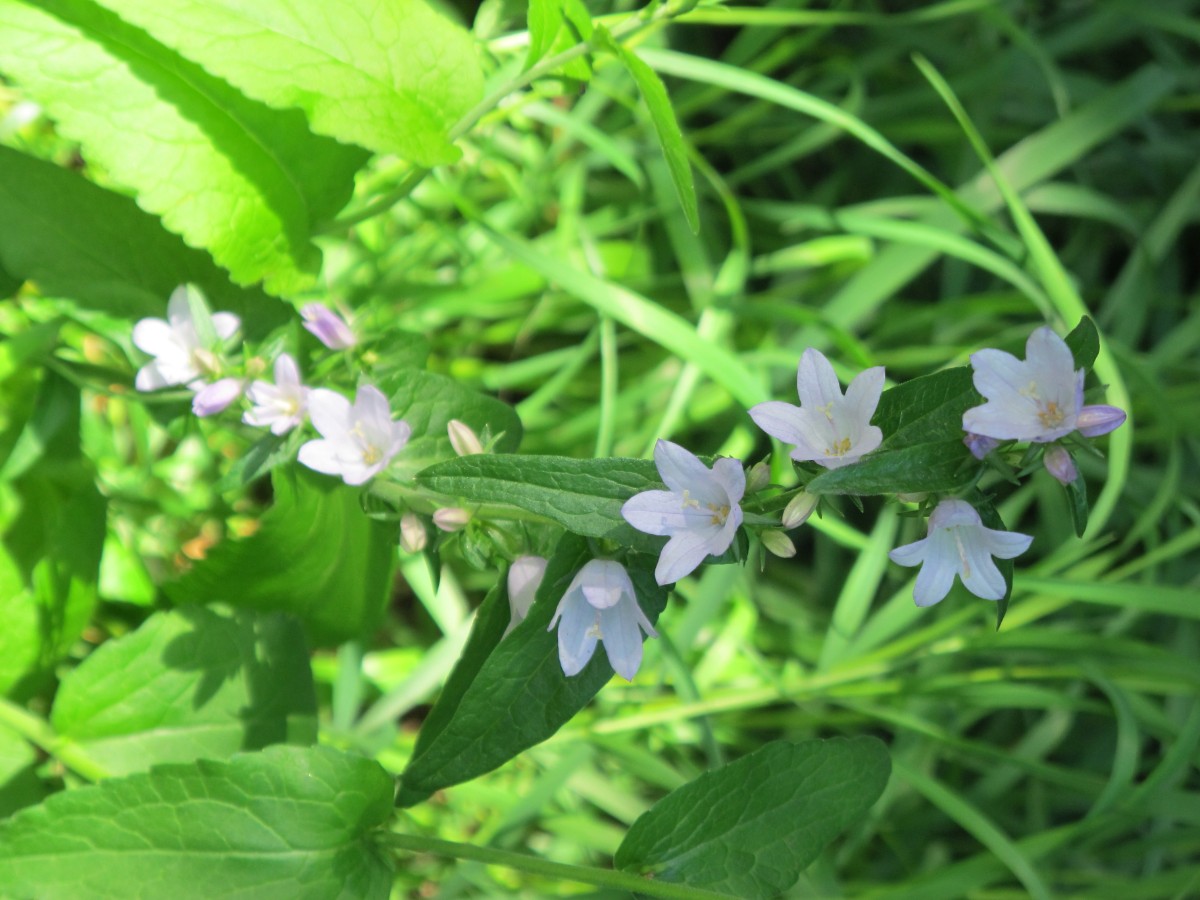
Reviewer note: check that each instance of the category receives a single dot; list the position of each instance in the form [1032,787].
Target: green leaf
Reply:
[1077,497]
[427,402]
[556,26]
[285,822]
[19,783]
[394,77]
[584,496]
[519,696]
[248,183]
[922,447]
[76,240]
[544,20]
[748,829]
[190,684]
[316,555]
[1084,342]
[666,126]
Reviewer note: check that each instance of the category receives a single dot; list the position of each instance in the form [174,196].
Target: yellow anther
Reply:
[1051,416]
[720,513]
[839,448]
[827,409]
[689,502]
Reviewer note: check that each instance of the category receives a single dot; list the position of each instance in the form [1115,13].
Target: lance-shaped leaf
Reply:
[583,495]
[247,182]
[750,828]
[519,695]
[190,684]
[392,76]
[287,822]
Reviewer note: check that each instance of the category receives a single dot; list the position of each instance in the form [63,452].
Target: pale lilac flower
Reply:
[524,578]
[1058,463]
[601,605]
[827,428]
[451,518]
[958,543]
[979,445]
[280,406]
[185,350]
[217,397]
[412,533]
[798,510]
[700,512]
[357,441]
[464,441]
[330,328]
[1039,399]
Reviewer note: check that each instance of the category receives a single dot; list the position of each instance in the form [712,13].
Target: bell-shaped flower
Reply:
[700,510]
[827,428]
[1037,399]
[280,406]
[601,605]
[958,543]
[357,441]
[329,328]
[186,347]
[524,578]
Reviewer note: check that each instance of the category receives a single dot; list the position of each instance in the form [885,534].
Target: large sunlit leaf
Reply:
[750,828]
[247,182]
[190,684]
[315,555]
[283,823]
[392,76]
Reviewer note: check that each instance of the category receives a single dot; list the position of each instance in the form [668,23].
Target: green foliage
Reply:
[316,556]
[286,822]
[749,828]
[191,684]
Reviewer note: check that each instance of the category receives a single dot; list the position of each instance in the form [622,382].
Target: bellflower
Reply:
[1039,399]
[958,543]
[700,510]
[524,578]
[329,328]
[181,353]
[601,605]
[357,441]
[1058,463]
[280,406]
[217,397]
[827,428]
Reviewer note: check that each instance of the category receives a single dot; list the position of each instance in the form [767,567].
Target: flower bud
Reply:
[330,328]
[216,397]
[412,533]
[451,518]
[912,498]
[798,510]
[1058,463]
[1094,421]
[758,477]
[464,441]
[779,544]
[979,445]
[524,579]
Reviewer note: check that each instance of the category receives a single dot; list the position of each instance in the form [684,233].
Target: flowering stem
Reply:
[537,866]
[39,733]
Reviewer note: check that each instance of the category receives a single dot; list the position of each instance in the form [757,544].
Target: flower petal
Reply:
[910,554]
[1094,421]
[680,469]
[979,573]
[321,456]
[816,382]
[780,420]
[622,637]
[937,574]
[655,512]
[154,336]
[1049,362]
[330,413]
[225,325]
[682,554]
[578,631]
[372,407]
[1005,544]
[287,373]
[862,395]
[730,475]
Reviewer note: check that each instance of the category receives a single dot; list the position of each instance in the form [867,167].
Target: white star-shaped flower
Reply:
[827,428]
[1037,399]
[700,510]
[181,354]
[601,605]
[280,406]
[958,543]
[357,441]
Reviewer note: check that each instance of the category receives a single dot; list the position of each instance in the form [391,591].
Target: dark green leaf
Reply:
[190,684]
[1077,497]
[316,555]
[283,823]
[583,495]
[943,467]
[1084,342]
[544,20]
[750,828]
[19,783]
[519,696]
[926,409]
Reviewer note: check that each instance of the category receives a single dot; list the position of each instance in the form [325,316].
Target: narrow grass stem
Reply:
[40,733]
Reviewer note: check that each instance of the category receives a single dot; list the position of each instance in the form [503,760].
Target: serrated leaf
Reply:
[315,555]
[78,241]
[286,822]
[582,495]
[666,127]
[247,182]
[190,684]
[1084,343]
[394,77]
[519,696]
[750,828]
